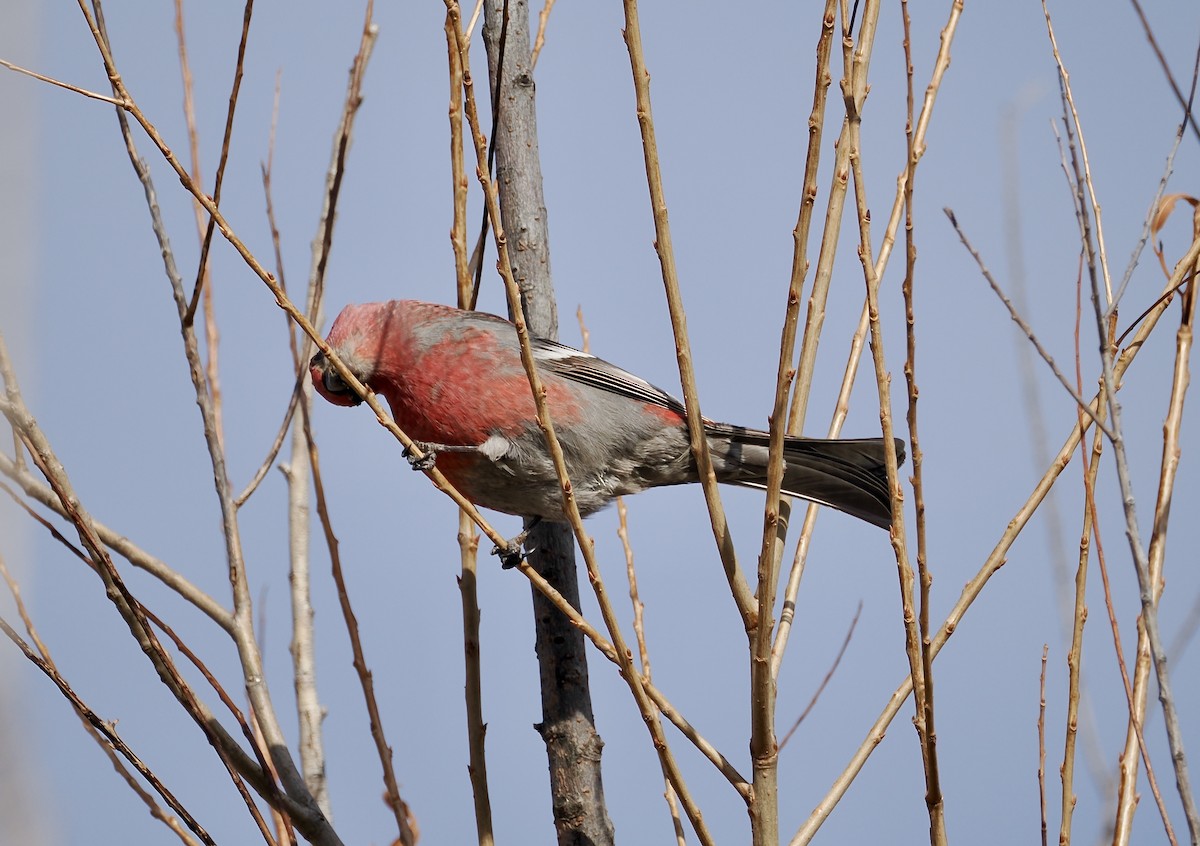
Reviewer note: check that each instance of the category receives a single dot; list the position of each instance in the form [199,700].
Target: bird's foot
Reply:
[430,453]
[513,552]
[428,457]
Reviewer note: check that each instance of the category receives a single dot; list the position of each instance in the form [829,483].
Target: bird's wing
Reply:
[586,369]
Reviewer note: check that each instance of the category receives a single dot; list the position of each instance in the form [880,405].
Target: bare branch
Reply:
[1025,327]
[825,681]
[666,255]
[104,728]
[92,94]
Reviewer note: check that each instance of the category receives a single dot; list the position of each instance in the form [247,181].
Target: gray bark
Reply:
[568,727]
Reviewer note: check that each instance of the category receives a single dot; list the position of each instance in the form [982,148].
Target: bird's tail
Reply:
[849,475]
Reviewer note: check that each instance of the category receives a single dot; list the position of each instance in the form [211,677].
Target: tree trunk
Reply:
[567,727]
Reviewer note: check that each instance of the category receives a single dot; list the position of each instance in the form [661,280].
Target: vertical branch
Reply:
[830,235]
[639,628]
[407,830]
[206,244]
[211,336]
[1155,558]
[310,714]
[468,540]
[301,468]
[573,746]
[924,704]
[1075,655]
[855,90]
[1041,723]
[816,307]
[639,631]
[666,255]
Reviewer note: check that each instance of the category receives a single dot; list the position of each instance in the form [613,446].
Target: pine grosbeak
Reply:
[455,384]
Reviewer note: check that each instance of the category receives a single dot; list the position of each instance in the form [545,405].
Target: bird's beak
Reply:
[329,384]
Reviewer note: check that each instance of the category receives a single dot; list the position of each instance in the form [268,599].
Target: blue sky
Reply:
[90,315]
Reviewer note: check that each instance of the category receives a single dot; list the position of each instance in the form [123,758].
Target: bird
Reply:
[456,386]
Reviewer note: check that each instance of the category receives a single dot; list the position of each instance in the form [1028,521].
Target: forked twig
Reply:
[60,84]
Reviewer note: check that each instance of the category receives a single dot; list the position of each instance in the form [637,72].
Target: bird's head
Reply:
[358,337]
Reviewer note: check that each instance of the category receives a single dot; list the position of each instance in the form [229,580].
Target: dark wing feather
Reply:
[586,369]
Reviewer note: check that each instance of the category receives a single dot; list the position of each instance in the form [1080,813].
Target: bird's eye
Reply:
[334,383]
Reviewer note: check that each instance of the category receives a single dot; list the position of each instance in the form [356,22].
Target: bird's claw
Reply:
[426,461]
[513,552]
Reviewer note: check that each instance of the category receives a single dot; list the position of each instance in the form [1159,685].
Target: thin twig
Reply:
[639,627]
[468,540]
[1075,654]
[635,601]
[924,576]
[1189,119]
[85,92]
[118,543]
[169,820]
[276,444]
[1084,178]
[1041,727]
[825,681]
[918,658]
[211,338]
[1168,169]
[105,728]
[239,64]
[540,40]
[1079,615]
[1024,326]
[742,595]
